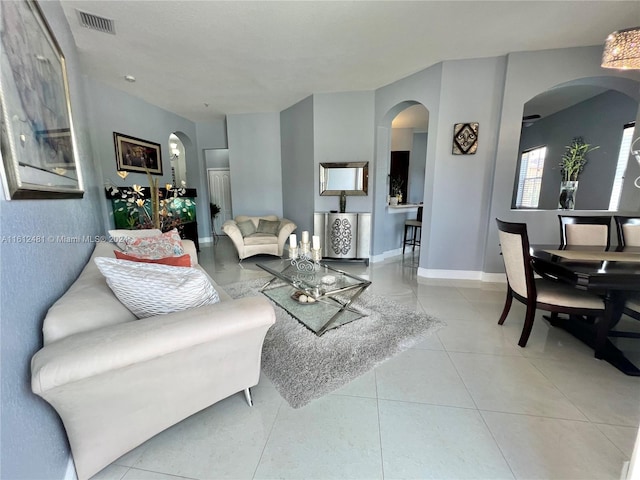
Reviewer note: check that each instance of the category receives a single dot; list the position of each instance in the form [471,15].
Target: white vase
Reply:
[393,201]
[567,198]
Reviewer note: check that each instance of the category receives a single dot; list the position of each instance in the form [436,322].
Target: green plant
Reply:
[215,210]
[574,158]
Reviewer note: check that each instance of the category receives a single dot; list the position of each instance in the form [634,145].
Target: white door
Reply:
[220,194]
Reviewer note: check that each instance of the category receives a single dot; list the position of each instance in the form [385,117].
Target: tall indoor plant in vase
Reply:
[573,162]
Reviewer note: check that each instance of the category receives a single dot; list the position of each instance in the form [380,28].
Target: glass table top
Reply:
[325,281]
[333,291]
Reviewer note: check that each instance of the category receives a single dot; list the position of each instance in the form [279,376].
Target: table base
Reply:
[586,333]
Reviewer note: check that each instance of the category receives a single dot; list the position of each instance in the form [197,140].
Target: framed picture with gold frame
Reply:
[137,155]
[37,144]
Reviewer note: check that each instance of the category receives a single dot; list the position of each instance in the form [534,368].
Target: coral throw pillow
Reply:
[167,244]
[181,261]
[121,236]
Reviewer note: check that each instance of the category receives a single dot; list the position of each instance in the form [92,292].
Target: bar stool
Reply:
[412,232]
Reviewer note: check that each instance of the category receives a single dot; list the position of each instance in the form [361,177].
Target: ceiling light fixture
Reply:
[130,78]
[622,50]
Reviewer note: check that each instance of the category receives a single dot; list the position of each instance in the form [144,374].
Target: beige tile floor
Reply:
[466,403]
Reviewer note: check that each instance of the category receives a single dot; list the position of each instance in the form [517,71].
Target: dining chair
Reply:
[585,230]
[412,231]
[628,230]
[537,293]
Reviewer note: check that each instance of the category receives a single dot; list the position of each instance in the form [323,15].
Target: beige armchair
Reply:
[258,235]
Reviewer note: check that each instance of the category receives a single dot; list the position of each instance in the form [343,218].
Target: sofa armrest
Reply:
[88,354]
[286,228]
[230,227]
[190,247]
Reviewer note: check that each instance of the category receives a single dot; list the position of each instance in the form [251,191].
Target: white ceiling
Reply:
[205,59]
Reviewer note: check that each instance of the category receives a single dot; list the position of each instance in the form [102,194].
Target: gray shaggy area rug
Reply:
[303,366]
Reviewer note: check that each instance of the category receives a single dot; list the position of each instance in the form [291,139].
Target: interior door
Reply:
[220,194]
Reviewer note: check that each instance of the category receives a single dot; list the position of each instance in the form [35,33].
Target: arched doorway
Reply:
[402,139]
[177,157]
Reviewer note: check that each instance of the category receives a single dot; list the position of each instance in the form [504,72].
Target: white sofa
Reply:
[258,242]
[116,381]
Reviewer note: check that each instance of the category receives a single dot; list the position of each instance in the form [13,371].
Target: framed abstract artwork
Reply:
[465,138]
[37,144]
[137,155]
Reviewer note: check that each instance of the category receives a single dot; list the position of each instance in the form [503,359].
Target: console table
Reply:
[344,236]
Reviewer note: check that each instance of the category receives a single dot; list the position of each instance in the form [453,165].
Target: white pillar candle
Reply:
[293,240]
[316,242]
[305,237]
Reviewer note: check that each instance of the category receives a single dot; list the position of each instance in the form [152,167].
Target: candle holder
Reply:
[304,258]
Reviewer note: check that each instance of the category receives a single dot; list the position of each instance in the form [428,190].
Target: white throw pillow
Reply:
[149,289]
[120,236]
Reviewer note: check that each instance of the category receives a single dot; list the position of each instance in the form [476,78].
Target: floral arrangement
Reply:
[396,185]
[161,210]
[574,159]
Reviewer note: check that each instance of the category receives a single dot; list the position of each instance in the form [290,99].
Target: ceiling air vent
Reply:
[95,22]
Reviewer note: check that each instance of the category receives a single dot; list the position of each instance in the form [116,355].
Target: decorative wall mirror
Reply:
[352,177]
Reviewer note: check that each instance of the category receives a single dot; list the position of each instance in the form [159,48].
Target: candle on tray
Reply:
[316,242]
[305,237]
[293,240]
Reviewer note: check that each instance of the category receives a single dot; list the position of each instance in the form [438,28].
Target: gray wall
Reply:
[456,186]
[254,159]
[422,87]
[401,139]
[600,120]
[216,158]
[529,74]
[462,184]
[111,111]
[296,136]
[34,275]
[417,168]
[343,132]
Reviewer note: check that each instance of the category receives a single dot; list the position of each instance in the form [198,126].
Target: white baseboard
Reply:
[383,256]
[494,277]
[449,274]
[70,473]
[462,275]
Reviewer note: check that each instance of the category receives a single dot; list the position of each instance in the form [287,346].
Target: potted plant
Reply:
[573,161]
[396,189]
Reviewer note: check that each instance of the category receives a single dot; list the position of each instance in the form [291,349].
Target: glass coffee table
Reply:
[332,292]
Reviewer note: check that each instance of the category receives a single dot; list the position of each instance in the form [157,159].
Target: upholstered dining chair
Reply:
[585,230]
[537,293]
[628,230]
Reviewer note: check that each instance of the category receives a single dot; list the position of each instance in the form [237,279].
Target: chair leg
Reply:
[404,239]
[528,324]
[507,306]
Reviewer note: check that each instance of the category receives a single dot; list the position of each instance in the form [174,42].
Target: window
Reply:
[623,157]
[530,178]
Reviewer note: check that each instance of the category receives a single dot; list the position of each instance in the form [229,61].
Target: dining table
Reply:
[613,274]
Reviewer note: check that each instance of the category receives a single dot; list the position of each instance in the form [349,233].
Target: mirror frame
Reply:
[324,172]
